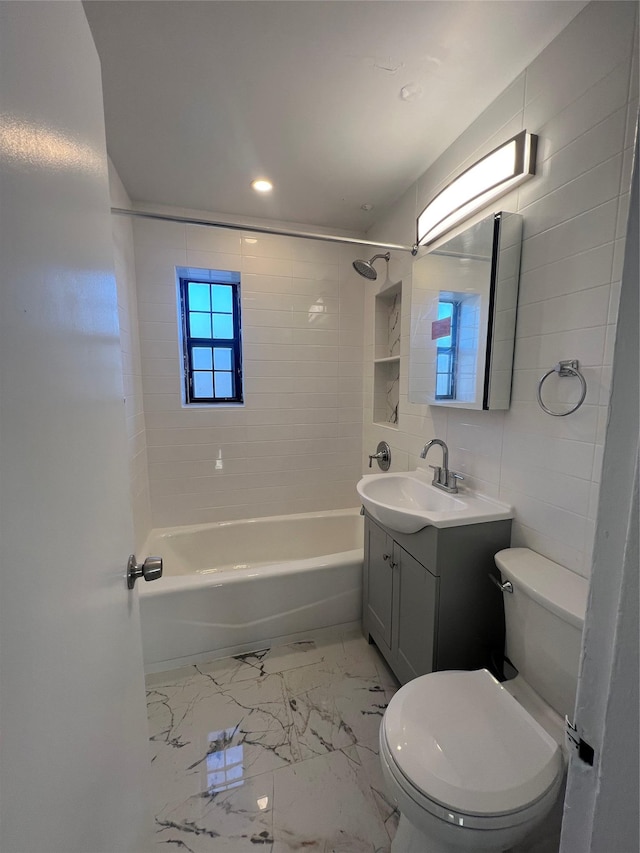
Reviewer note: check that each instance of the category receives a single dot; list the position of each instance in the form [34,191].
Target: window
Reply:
[212,352]
[446,352]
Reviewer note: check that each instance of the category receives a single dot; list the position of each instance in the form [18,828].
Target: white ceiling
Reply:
[201,97]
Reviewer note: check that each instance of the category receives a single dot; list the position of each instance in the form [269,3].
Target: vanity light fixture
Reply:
[262,185]
[491,177]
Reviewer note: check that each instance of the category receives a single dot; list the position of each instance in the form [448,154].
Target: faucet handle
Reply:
[437,473]
[452,476]
[383,455]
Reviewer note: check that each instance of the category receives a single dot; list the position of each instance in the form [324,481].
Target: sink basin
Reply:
[406,502]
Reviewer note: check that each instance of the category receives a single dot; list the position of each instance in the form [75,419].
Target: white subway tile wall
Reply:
[581,97]
[296,443]
[123,253]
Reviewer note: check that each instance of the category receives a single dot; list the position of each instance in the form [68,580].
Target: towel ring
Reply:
[564,368]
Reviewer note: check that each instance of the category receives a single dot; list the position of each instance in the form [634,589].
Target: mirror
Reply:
[464,298]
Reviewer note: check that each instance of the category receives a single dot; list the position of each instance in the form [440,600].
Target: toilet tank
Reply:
[544,618]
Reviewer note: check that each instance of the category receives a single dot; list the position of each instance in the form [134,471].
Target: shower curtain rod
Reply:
[260,229]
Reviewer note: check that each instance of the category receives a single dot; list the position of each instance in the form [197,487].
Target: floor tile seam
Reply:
[382,794]
[369,793]
[271,774]
[298,667]
[281,712]
[177,805]
[177,690]
[169,733]
[316,757]
[227,689]
[358,769]
[271,820]
[337,719]
[219,686]
[365,780]
[177,827]
[261,662]
[251,737]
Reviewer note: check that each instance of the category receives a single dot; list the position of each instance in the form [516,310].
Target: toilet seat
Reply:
[465,750]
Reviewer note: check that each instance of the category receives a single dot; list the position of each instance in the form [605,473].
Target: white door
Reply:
[73,748]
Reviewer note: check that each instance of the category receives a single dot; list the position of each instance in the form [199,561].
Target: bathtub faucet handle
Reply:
[150,570]
[383,455]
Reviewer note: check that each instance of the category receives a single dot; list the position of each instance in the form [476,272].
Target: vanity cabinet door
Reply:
[378,585]
[415,624]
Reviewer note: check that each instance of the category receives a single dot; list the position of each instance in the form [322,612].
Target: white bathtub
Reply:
[237,586]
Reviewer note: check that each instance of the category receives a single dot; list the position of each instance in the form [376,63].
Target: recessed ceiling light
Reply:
[262,185]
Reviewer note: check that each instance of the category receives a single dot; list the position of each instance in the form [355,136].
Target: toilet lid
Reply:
[465,742]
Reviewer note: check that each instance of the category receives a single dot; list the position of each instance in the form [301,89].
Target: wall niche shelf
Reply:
[386,361]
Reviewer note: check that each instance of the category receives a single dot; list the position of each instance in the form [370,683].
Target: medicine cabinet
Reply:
[463,317]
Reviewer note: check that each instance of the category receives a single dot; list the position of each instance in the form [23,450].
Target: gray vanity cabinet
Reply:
[428,602]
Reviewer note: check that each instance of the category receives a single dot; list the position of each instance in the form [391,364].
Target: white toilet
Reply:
[473,764]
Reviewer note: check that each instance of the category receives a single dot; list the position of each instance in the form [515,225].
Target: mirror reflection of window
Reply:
[470,349]
[224,762]
[447,346]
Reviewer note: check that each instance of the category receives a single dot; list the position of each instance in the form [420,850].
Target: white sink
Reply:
[407,502]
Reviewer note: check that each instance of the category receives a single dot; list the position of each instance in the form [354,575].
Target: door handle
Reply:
[150,570]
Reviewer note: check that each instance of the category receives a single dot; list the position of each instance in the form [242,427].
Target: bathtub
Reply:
[238,586]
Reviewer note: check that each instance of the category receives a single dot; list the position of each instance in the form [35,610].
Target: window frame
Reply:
[189,341]
[451,351]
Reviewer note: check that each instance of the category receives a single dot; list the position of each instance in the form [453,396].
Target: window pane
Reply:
[199,325]
[222,359]
[202,384]
[222,297]
[443,386]
[224,384]
[235,772]
[215,762]
[202,358]
[222,326]
[216,781]
[444,363]
[445,311]
[234,754]
[199,297]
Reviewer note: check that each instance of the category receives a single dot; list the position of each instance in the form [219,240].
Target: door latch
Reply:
[576,744]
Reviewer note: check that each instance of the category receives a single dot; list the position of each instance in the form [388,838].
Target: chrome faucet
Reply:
[443,478]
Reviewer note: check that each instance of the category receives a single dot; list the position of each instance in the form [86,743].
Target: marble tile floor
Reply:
[274,751]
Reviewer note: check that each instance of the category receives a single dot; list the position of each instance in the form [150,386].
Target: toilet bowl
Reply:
[476,765]
[467,766]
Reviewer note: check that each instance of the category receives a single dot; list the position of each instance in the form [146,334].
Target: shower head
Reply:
[365,268]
